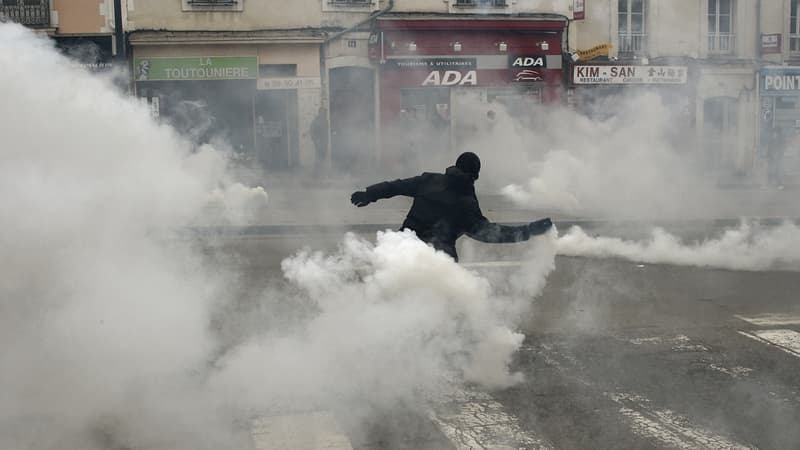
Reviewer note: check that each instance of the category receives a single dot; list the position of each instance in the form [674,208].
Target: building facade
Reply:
[418,74]
[265,78]
[242,71]
[352,83]
[82,29]
[714,61]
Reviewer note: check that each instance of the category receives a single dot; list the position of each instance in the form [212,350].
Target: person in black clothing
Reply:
[445,207]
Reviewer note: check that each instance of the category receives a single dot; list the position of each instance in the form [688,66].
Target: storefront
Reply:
[437,77]
[779,90]
[259,99]
[204,97]
[599,89]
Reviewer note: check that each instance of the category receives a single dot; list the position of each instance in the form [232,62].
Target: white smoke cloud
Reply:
[748,247]
[385,327]
[105,335]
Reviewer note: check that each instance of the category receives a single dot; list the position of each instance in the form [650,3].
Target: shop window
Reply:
[213,5]
[632,26]
[277,70]
[794,28]
[721,36]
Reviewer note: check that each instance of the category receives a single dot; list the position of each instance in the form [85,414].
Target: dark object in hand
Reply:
[540,226]
[360,198]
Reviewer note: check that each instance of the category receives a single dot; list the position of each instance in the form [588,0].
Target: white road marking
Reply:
[786,340]
[664,426]
[735,372]
[771,320]
[667,427]
[311,431]
[680,343]
[473,420]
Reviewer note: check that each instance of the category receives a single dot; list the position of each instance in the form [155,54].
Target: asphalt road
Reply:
[617,355]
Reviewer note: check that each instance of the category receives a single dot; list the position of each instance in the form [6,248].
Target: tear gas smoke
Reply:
[748,247]
[105,332]
[634,163]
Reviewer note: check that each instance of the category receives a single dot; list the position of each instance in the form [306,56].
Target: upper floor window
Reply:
[482,3]
[33,13]
[20,2]
[212,5]
[350,2]
[632,15]
[794,28]
[721,36]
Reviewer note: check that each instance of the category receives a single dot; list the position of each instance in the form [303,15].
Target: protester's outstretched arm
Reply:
[494,233]
[386,189]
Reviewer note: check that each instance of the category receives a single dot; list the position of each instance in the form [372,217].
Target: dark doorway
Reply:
[276,129]
[352,113]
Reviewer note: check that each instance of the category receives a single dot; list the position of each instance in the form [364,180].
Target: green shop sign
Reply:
[196,68]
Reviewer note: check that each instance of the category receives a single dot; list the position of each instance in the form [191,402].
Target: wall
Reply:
[82,16]
[256,15]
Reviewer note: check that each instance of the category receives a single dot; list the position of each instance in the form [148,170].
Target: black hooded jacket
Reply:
[445,207]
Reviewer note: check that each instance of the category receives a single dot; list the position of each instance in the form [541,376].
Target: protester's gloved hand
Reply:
[360,198]
[540,226]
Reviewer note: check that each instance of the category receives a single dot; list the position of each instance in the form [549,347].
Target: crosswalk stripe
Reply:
[663,426]
[474,420]
[310,431]
[667,427]
[786,340]
[768,320]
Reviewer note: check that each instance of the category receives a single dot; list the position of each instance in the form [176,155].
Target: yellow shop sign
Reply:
[594,52]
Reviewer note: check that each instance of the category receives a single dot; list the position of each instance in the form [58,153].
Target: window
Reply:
[482,3]
[794,28]
[212,5]
[632,26]
[721,37]
[213,2]
[32,13]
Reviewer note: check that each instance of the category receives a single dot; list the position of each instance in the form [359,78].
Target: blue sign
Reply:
[780,81]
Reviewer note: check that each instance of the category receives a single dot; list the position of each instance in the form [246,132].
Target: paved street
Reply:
[616,355]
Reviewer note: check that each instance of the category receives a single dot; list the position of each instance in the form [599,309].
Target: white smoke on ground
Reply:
[394,320]
[748,247]
[105,335]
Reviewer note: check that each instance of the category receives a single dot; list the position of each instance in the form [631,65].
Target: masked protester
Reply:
[446,207]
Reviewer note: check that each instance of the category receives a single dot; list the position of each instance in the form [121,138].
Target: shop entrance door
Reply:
[276,129]
[352,113]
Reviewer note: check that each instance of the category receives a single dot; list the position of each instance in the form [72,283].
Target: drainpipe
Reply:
[119,33]
[759,63]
